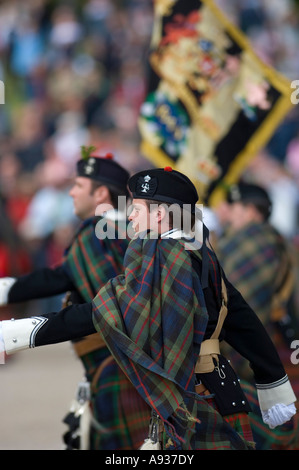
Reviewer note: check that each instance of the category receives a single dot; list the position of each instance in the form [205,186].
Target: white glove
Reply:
[278,414]
[5,285]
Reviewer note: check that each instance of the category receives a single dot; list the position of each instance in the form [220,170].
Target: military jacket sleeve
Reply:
[245,333]
[70,323]
[39,284]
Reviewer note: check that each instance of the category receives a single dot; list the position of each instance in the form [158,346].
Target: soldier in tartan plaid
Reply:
[156,318]
[89,262]
[258,261]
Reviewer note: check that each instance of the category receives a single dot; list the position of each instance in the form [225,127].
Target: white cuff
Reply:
[20,334]
[276,392]
[278,414]
[5,285]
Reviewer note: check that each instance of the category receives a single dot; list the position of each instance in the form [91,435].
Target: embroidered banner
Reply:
[211,102]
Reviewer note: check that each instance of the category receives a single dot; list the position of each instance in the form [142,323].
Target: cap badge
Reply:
[235,193]
[145,186]
[89,167]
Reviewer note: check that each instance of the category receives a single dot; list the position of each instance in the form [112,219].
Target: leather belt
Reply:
[89,344]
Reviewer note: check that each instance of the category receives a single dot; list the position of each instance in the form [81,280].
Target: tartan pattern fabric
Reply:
[285,437]
[251,259]
[239,422]
[90,261]
[121,416]
[153,319]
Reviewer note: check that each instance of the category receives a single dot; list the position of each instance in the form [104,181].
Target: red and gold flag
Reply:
[211,103]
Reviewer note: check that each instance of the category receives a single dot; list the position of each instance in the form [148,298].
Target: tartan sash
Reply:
[253,260]
[153,319]
[91,261]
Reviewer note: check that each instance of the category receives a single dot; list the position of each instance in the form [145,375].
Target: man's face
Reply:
[240,215]
[85,202]
[142,218]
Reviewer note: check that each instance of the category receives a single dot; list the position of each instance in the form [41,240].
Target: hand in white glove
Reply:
[278,414]
[5,285]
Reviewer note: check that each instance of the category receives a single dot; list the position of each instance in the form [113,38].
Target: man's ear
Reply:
[161,213]
[254,214]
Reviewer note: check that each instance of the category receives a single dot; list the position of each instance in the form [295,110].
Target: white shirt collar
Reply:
[174,233]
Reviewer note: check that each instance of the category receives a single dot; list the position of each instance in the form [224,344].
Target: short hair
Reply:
[249,193]
[114,191]
[172,220]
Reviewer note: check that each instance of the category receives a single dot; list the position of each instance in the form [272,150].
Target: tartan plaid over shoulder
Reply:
[153,319]
[254,259]
[91,261]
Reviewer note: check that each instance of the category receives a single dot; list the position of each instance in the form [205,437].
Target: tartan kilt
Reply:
[120,417]
[239,422]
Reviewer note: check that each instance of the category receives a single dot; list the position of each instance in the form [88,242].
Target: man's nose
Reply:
[131,216]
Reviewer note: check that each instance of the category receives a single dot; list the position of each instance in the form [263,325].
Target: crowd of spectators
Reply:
[75,74]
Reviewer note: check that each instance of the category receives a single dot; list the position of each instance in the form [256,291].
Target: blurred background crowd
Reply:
[75,74]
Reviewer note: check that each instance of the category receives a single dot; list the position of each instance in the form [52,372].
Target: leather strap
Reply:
[201,389]
[210,348]
[222,313]
[89,344]
[100,369]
